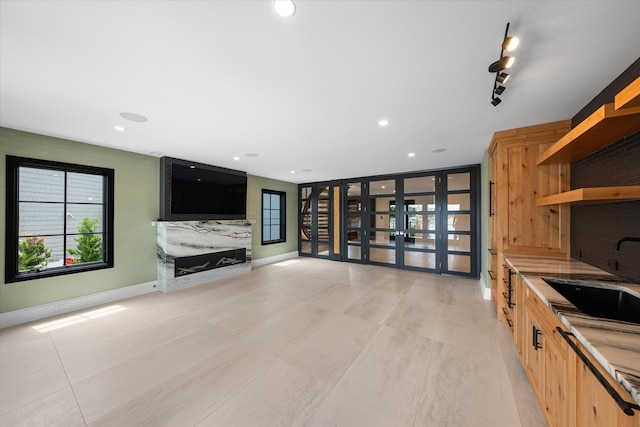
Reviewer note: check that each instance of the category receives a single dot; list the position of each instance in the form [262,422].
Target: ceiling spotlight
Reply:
[502,64]
[119,128]
[495,101]
[508,61]
[502,78]
[499,90]
[383,123]
[510,43]
[284,8]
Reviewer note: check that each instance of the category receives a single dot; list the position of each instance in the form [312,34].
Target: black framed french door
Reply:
[319,220]
[426,221]
[392,221]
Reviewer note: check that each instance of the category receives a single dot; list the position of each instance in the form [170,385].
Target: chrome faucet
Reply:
[626,239]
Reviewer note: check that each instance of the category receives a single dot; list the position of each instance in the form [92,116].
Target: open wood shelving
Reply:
[592,195]
[608,124]
[628,97]
[604,127]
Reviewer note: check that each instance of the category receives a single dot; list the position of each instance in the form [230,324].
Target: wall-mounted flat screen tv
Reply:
[195,191]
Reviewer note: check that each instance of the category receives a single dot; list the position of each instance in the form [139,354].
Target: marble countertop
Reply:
[615,344]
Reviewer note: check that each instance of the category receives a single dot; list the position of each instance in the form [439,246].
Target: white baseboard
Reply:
[273,259]
[486,292]
[30,314]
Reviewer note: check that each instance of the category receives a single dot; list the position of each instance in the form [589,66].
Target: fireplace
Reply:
[199,263]
[192,253]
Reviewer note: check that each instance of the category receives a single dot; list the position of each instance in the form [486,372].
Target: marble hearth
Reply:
[179,239]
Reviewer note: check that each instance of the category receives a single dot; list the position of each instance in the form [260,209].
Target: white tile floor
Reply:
[304,342]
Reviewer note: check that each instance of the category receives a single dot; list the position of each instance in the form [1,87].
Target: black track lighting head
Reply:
[499,90]
[502,78]
[495,100]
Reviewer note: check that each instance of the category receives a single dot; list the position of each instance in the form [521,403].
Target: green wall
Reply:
[255,185]
[135,207]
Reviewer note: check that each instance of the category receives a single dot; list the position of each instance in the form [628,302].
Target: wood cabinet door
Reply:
[595,407]
[559,365]
[534,355]
[526,227]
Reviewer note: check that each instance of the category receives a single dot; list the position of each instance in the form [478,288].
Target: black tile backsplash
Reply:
[608,94]
[596,228]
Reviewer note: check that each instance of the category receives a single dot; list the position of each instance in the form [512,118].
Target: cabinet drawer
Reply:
[546,316]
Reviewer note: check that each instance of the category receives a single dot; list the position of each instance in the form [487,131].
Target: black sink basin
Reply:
[597,301]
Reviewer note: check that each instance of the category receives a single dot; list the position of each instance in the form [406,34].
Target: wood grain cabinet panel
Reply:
[517,224]
[594,406]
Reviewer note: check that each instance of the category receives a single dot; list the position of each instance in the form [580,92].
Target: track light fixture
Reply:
[509,43]
[502,78]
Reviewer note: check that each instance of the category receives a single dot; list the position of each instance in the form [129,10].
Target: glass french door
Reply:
[421,224]
[422,221]
[392,221]
[320,220]
[461,244]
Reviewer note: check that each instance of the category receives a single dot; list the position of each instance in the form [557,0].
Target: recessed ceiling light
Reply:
[192,167]
[383,123]
[119,128]
[199,179]
[252,155]
[411,154]
[134,117]
[292,171]
[236,158]
[284,8]
[439,150]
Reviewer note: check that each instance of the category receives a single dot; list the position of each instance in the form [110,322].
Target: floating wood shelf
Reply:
[604,127]
[592,195]
[629,97]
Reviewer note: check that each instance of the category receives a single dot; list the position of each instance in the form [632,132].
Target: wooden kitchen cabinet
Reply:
[514,307]
[517,225]
[533,357]
[550,363]
[594,406]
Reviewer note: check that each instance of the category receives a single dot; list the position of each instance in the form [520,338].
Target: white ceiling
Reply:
[219,79]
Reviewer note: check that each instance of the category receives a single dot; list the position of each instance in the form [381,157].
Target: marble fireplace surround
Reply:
[188,238]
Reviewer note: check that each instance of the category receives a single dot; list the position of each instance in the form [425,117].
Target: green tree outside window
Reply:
[33,254]
[88,244]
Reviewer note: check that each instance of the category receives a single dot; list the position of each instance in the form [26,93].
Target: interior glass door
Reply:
[419,229]
[460,238]
[384,230]
[354,218]
[426,221]
[320,220]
